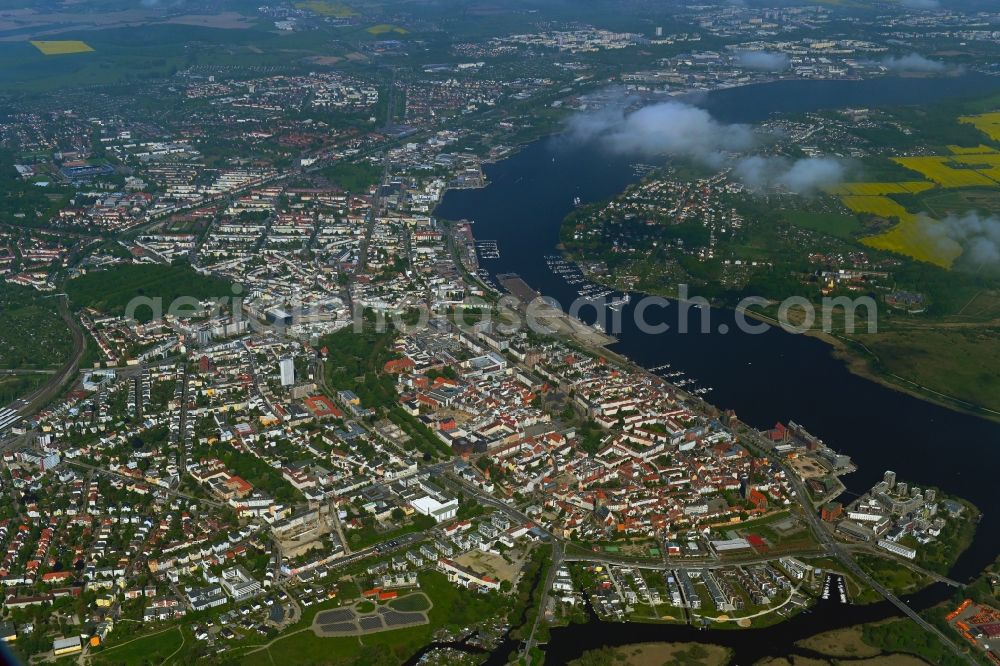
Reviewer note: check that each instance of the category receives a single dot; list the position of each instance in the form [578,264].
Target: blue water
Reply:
[765,378]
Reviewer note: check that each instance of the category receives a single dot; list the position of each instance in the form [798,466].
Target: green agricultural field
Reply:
[942,203]
[62,47]
[110,291]
[149,52]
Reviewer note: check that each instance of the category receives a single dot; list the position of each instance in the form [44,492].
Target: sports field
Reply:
[63,47]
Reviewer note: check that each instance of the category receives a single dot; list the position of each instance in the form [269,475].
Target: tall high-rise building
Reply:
[890,479]
[287,367]
[659,31]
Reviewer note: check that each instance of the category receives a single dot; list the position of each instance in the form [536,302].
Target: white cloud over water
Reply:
[676,129]
[669,128]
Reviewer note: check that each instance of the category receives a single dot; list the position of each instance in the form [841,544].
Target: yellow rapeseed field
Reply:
[937,168]
[62,47]
[987,123]
[988,164]
[913,239]
[327,8]
[877,205]
[876,189]
[974,150]
[383,28]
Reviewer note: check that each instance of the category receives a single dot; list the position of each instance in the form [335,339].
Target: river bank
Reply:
[765,378]
[858,359]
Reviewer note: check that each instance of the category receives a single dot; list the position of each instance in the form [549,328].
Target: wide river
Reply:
[765,378]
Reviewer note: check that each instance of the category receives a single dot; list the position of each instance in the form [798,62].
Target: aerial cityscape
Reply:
[494,332]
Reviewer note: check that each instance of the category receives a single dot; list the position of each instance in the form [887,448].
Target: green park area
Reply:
[453,608]
[906,637]
[112,291]
[150,648]
[889,573]
[411,603]
[353,176]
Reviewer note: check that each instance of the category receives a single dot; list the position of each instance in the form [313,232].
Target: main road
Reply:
[838,550]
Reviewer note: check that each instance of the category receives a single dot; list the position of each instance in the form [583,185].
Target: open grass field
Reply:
[944,202]
[897,578]
[833,224]
[452,607]
[62,47]
[411,603]
[939,170]
[153,648]
[963,363]
[840,643]
[983,306]
[655,654]
[877,189]
[987,123]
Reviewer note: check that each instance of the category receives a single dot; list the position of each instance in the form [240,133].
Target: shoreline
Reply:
[840,349]
[843,351]
[857,365]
